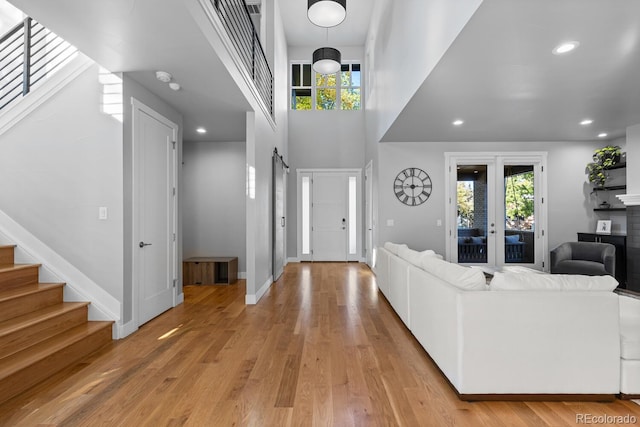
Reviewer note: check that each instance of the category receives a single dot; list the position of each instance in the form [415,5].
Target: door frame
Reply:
[279,168]
[499,160]
[173,237]
[368,214]
[359,215]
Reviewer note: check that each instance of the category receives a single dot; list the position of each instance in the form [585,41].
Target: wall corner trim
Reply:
[252,299]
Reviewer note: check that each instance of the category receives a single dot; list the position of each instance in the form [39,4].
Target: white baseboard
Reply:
[252,299]
[179,299]
[242,275]
[293,260]
[127,329]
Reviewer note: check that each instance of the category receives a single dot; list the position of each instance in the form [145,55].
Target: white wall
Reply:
[321,139]
[633,159]
[58,166]
[213,202]
[397,60]
[263,135]
[570,207]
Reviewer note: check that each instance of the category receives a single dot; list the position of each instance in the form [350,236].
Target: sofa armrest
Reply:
[560,253]
[538,343]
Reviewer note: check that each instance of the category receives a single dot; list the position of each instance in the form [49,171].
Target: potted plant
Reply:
[603,158]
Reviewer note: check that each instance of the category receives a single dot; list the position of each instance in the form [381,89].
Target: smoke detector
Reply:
[163,76]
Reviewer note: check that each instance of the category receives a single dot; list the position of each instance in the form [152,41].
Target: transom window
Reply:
[314,91]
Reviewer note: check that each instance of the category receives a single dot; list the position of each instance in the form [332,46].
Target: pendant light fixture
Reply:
[326,13]
[326,60]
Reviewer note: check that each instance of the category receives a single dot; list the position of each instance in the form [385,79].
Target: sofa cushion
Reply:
[577,266]
[409,255]
[394,247]
[512,239]
[462,277]
[520,269]
[629,328]
[630,338]
[550,282]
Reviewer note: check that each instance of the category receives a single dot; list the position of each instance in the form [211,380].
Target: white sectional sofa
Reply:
[496,342]
[630,346]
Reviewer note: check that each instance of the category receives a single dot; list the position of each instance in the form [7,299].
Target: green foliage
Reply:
[519,200]
[465,204]
[603,158]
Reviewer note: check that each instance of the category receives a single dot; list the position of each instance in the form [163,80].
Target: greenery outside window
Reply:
[313,91]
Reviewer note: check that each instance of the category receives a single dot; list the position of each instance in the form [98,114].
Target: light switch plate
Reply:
[103,212]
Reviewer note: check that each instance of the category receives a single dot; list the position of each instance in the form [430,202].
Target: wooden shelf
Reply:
[617,166]
[610,188]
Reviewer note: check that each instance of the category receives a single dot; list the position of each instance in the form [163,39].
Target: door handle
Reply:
[143,244]
[282,222]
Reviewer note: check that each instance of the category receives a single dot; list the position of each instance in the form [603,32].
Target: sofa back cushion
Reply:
[415,257]
[394,247]
[550,282]
[462,277]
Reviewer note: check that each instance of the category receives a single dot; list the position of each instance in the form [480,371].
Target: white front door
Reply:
[329,230]
[329,213]
[154,205]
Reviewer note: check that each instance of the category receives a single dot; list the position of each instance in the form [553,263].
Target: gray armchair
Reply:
[588,258]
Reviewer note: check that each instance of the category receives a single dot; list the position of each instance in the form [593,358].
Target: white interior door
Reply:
[330,216]
[154,266]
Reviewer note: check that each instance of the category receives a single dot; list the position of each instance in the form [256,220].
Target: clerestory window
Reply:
[338,91]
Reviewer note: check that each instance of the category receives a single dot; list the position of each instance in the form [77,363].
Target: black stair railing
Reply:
[236,19]
[29,52]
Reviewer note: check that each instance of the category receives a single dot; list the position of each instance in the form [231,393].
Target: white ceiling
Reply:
[501,78]
[499,74]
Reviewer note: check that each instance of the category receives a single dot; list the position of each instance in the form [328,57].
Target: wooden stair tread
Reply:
[7,246]
[17,323]
[23,359]
[8,294]
[14,267]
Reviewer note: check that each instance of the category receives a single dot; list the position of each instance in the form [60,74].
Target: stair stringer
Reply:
[54,268]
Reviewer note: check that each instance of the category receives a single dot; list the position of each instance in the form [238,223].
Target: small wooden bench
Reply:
[209,271]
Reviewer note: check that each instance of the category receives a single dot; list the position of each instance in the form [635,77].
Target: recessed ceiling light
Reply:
[565,47]
[602,135]
[586,122]
[458,122]
[201,130]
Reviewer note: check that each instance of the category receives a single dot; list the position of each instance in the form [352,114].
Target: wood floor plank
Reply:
[321,348]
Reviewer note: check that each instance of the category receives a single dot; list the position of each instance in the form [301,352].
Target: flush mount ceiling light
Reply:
[457,122]
[565,47]
[201,130]
[602,135]
[586,122]
[326,13]
[326,60]
[163,76]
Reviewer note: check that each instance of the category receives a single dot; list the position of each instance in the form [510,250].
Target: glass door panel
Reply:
[520,214]
[475,224]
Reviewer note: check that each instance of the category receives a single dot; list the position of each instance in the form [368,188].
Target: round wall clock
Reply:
[412,186]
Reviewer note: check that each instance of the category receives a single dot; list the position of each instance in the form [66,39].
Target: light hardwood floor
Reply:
[322,347]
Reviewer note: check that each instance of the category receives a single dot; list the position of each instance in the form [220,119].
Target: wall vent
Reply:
[254,9]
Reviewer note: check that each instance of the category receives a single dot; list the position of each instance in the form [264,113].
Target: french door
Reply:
[496,213]
[329,212]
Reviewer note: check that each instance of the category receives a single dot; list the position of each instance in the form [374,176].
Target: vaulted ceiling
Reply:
[499,75]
